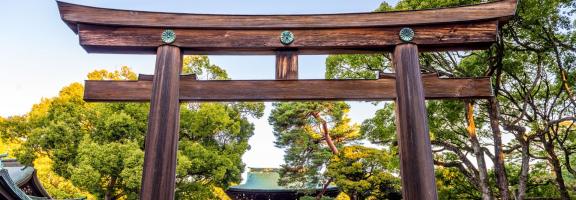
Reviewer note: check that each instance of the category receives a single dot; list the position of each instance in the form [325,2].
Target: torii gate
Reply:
[170,35]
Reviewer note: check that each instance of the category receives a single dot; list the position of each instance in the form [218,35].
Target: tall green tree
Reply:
[310,133]
[537,89]
[532,68]
[321,148]
[364,173]
[99,146]
[213,138]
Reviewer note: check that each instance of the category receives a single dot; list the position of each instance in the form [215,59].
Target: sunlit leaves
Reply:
[363,173]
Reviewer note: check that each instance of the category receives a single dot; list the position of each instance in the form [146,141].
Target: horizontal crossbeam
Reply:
[102,39]
[74,14]
[287,90]
[120,31]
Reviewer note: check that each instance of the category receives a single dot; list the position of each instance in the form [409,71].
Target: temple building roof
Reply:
[262,184]
[261,179]
[20,174]
[19,182]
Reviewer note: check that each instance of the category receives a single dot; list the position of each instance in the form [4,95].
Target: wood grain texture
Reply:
[76,14]
[159,174]
[121,31]
[416,161]
[289,90]
[147,77]
[287,65]
[102,39]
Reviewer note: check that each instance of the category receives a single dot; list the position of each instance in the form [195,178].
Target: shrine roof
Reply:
[20,181]
[19,173]
[265,179]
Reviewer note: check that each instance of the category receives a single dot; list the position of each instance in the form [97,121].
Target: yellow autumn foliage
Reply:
[8,147]
[57,186]
[342,196]
[220,193]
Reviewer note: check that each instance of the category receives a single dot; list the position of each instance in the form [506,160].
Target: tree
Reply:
[111,169]
[532,68]
[320,144]
[213,138]
[310,133]
[537,92]
[363,173]
[211,147]
[14,131]
[99,146]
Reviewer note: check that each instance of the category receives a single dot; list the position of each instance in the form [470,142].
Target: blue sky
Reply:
[40,54]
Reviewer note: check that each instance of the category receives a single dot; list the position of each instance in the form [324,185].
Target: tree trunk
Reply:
[330,144]
[110,189]
[326,133]
[353,197]
[324,189]
[555,162]
[567,155]
[523,178]
[499,168]
[478,153]
[559,178]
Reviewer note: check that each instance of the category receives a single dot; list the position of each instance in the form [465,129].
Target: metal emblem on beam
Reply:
[407,35]
[286,37]
[168,36]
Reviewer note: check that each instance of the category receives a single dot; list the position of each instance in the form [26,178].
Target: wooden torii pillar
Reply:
[159,173]
[170,35]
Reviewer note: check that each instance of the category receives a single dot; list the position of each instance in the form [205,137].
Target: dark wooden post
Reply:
[416,162]
[287,65]
[159,175]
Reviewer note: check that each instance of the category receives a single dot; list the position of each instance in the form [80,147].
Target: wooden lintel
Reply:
[122,31]
[74,14]
[383,75]
[288,90]
[148,77]
[468,36]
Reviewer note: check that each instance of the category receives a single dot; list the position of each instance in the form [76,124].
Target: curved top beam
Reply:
[74,14]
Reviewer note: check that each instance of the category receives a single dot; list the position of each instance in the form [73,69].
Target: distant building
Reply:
[19,182]
[262,184]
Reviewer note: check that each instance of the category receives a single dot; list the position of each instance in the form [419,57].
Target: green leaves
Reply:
[99,146]
[381,129]
[299,129]
[201,66]
[112,165]
[213,139]
[116,127]
[363,173]
[532,64]
[355,66]
[125,73]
